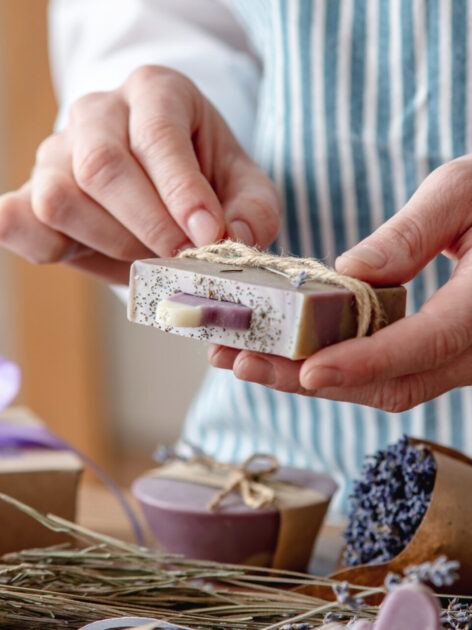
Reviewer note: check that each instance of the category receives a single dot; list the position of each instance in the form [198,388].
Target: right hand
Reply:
[140,171]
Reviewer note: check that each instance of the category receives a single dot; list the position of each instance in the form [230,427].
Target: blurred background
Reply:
[112,388]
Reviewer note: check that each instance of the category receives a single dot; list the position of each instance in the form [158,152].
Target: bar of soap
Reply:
[177,513]
[409,607]
[285,320]
[185,310]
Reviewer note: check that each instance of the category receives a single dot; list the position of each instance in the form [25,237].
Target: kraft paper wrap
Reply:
[446,529]
[302,510]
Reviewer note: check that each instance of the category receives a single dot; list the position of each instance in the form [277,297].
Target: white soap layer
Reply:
[171,313]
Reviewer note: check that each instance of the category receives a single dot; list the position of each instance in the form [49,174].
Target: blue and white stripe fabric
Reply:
[359,101]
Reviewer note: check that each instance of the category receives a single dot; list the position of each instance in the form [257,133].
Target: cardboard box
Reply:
[45,479]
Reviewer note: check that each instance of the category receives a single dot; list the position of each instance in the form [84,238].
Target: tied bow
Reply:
[247,478]
[246,481]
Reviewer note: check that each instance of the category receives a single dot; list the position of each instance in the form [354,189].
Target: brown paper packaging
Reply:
[44,479]
[446,529]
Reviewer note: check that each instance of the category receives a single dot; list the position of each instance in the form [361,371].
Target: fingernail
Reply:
[203,227]
[364,254]
[256,370]
[240,231]
[319,377]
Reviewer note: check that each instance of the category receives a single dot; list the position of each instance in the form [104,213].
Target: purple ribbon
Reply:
[10,381]
[14,435]
[21,436]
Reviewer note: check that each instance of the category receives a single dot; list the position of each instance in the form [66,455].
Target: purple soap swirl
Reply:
[217,312]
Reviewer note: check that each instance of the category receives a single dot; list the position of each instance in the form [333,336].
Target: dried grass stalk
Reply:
[97,577]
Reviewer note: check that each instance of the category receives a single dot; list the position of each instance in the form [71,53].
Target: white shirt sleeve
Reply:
[95,44]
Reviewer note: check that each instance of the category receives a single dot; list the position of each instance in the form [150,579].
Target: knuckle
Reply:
[54,254]
[155,132]
[453,175]
[12,223]
[155,231]
[179,188]
[399,395]
[267,212]
[149,73]
[8,216]
[50,199]
[451,183]
[378,362]
[409,237]
[144,74]
[161,237]
[98,167]
[449,342]
[47,148]
[125,249]
[83,104]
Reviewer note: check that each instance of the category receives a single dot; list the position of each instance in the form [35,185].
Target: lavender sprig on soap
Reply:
[388,503]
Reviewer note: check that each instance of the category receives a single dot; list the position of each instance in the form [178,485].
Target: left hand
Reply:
[416,358]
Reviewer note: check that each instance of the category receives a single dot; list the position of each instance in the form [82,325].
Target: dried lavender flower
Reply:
[392,581]
[440,572]
[388,502]
[331,616]
[299,279]
[163,454]
[457,616]
[345,599]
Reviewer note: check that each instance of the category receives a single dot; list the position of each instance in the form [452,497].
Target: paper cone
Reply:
[446,529]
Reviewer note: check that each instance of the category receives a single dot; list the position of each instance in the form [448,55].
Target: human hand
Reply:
[416,358]
[140,171]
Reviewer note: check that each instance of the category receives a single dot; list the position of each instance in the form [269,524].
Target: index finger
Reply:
[105,170]
[165,111]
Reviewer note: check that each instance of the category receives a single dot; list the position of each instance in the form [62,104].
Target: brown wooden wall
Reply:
[55,308]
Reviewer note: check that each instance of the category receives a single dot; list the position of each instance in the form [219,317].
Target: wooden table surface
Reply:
[99,510]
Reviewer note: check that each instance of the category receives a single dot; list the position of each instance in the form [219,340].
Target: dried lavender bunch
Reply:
[457,616]
[388,503]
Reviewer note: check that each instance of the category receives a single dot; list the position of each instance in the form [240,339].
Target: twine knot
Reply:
[297,271]
[248,478]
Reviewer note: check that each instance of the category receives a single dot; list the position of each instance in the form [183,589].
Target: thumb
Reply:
[432,220]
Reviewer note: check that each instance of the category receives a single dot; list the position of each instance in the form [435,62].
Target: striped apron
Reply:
[359,101]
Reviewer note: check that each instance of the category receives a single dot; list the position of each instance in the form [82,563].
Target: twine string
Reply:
[369,313]
[248,478]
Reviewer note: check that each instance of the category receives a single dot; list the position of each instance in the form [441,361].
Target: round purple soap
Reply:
[178,516]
